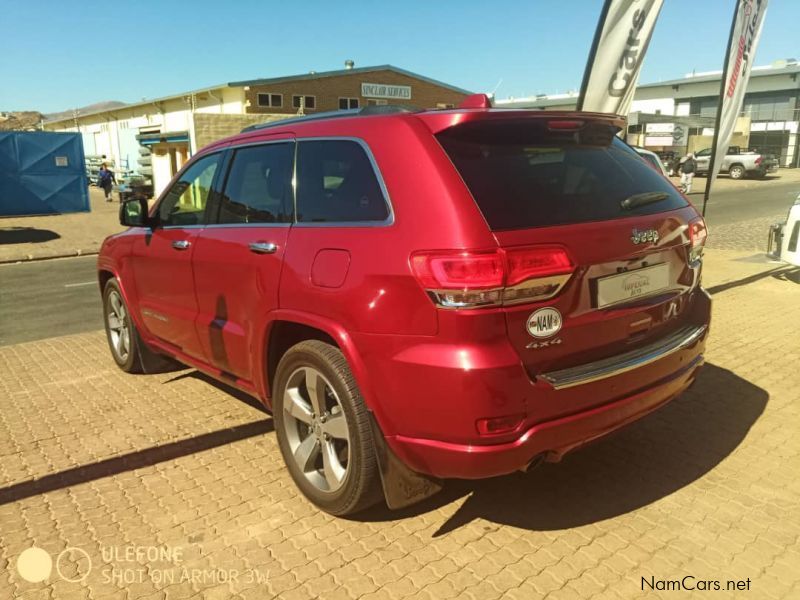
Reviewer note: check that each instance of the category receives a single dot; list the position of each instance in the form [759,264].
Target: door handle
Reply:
[263,247]
[181,244]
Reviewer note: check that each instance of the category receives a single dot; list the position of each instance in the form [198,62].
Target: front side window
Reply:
[186,201]
[259,185]
[337,183]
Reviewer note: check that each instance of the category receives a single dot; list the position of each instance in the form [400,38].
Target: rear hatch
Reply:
[626,243]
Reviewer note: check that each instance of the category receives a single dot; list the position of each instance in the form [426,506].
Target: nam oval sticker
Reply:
[544,323]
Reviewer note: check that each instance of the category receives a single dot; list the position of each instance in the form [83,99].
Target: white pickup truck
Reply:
[738,163]
[784,238]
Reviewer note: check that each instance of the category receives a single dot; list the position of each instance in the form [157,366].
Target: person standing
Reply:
[688,169]
[106,180]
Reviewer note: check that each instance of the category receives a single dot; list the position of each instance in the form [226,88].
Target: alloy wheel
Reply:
[316,429]
[118,326]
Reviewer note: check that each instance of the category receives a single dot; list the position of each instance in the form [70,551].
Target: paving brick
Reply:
[706,485]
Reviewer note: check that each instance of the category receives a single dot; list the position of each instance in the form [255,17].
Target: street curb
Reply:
[29,258]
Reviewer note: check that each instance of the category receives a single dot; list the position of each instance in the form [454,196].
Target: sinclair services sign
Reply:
[380,90]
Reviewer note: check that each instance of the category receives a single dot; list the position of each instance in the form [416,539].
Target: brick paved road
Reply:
[96,465]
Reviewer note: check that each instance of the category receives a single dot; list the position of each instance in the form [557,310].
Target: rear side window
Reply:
[336,183]
[524,175]
[259,185]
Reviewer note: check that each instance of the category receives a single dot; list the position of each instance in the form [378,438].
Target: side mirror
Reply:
[133,213]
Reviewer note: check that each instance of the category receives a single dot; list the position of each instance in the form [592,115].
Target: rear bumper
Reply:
[622,363]
[775,240]
[433,391]
[552,439]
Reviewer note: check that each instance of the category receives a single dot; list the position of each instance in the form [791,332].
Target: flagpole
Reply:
[722,83]
[592,53]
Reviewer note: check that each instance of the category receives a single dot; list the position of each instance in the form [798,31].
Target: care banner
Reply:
[620,42]
[747,22]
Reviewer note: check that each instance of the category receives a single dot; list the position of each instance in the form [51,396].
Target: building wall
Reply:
[229,101]
[655,106]
[328,90]
[212,127]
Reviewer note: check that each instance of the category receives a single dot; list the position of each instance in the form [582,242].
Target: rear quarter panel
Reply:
[431,210]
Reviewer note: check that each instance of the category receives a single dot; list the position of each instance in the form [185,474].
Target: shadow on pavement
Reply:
[133,460]
[230,390]
[26,235]
[637,466]
[792,275]
[781,272]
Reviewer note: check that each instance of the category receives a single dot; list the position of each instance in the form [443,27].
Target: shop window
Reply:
[310,102]
[348,103]
[270,100]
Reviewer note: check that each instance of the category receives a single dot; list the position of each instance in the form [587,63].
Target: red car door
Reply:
[238,257]
[161,258]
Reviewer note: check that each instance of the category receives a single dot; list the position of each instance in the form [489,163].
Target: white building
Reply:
[156,137]
[768,122]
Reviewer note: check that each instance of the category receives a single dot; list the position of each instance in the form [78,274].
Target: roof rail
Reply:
[384,109]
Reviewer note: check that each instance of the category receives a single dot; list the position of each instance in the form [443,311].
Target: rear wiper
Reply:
[632,202]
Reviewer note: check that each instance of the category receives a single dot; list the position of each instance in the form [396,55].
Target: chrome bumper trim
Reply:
[622,363]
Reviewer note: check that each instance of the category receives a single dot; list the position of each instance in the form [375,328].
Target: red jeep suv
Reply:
[418,295]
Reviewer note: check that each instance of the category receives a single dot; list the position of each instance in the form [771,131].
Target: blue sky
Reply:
[59,55]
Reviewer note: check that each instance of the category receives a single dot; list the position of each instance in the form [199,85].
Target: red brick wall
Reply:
[328,90]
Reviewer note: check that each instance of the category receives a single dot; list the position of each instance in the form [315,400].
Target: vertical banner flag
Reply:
[620,42]
[748,19]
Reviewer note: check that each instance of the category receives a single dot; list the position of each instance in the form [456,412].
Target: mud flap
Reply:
[152,362]
[401,486]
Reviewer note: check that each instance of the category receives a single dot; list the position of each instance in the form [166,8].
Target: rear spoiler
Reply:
[438,121]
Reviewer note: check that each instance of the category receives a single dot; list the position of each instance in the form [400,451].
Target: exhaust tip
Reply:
[535,462]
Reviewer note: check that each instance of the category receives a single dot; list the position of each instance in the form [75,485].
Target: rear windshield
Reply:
[524,175]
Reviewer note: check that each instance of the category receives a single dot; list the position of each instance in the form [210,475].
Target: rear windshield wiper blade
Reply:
[632,202]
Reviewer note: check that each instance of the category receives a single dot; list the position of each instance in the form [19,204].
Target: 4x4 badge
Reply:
[544,344]
[640,237]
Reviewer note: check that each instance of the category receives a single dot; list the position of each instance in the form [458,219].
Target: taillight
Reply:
[466,279]
[697,238]
[531,263]
[759,159]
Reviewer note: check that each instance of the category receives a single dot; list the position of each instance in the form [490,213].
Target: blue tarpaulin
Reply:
[42,173]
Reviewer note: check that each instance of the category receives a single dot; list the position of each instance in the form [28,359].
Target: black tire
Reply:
[736,172]
[122,342]
[138,358]
[360,486]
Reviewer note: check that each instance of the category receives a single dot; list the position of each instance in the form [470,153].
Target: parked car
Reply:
[784,237]
[132,186]
[418,295]
[652,158]
[738,163]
